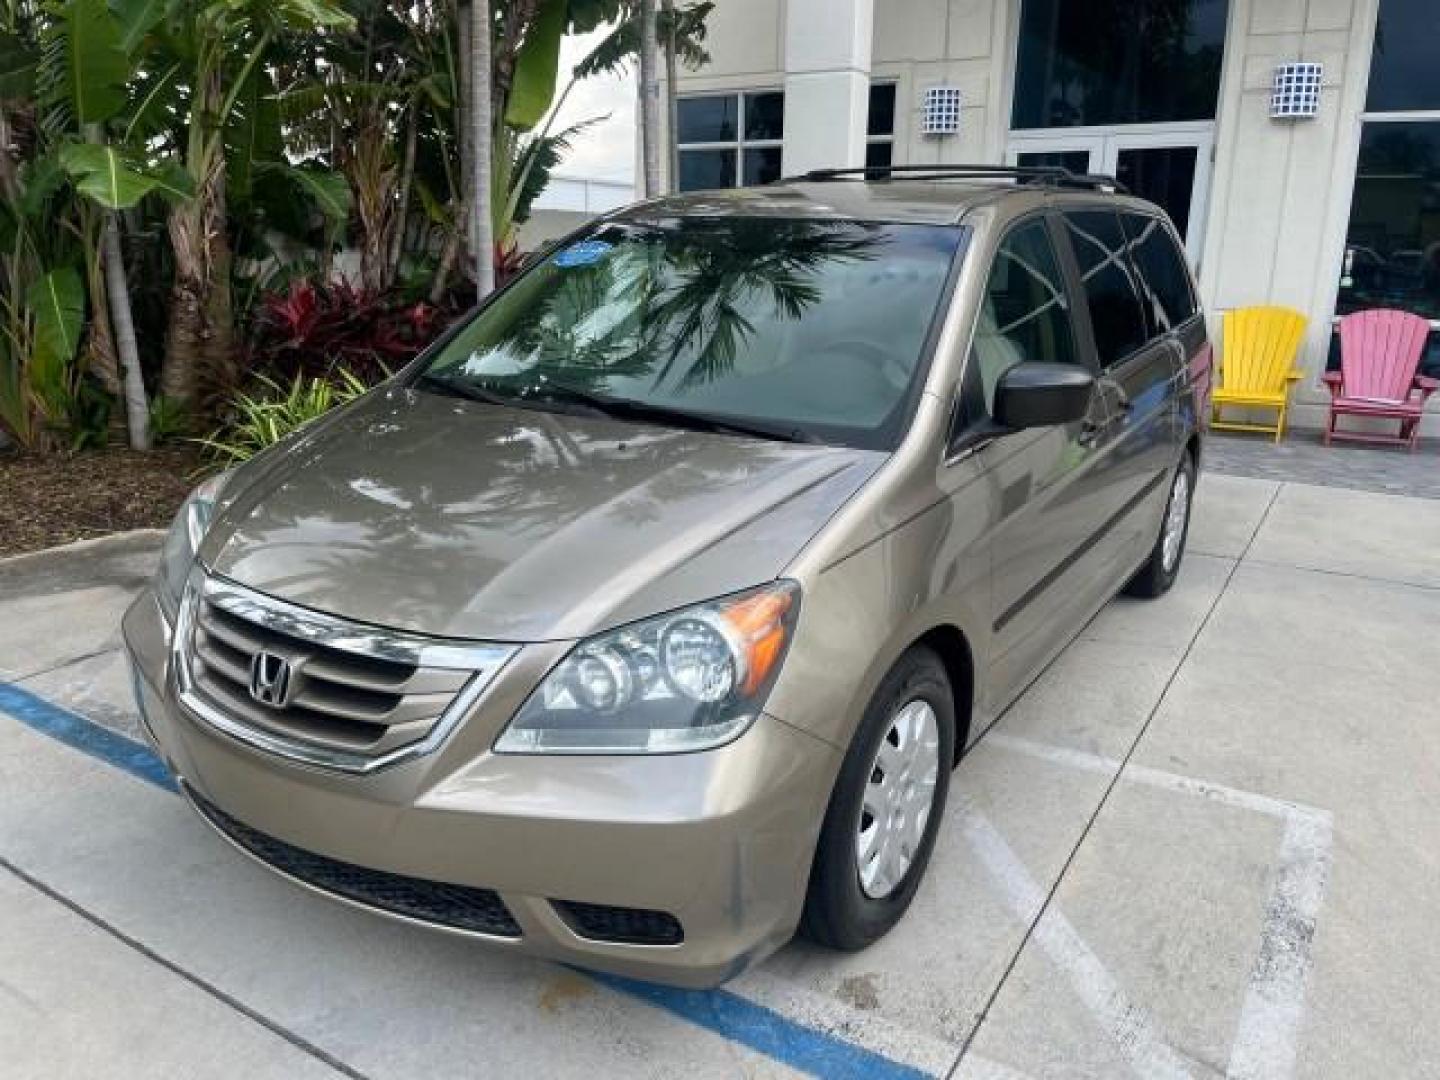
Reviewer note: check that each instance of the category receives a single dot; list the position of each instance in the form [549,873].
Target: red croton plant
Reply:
[312,330]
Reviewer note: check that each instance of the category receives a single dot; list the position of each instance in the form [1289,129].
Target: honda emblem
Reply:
[270,679]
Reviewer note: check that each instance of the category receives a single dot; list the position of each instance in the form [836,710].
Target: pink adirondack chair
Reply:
[1379,354]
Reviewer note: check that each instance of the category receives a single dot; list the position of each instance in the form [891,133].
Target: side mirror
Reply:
[1042,395]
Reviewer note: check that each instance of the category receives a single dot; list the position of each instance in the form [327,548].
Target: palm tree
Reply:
[482,141]
[345,103]
[672,107]
[518,45]
[221,45]
[649,99]
[681,31]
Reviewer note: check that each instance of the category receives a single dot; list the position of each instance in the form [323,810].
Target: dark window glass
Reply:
[1404,74]
[879,155]
[1392,249]
[1163,174]
[794,324]
[701,169]
[764,116]
[1118,61]
[762,165]
[1163,279]
[1025,316]
[1077,161]
[1110,293]
[882,109]
[706,119]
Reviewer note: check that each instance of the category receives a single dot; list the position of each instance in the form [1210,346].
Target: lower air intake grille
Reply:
[620,925]
[459,907]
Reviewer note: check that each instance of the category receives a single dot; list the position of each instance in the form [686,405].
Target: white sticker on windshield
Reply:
[585,253]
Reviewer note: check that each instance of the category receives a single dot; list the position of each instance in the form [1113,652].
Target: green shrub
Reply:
[169,419]
[87,421]
[275,412]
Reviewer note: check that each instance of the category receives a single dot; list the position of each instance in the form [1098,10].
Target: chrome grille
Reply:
[355,697]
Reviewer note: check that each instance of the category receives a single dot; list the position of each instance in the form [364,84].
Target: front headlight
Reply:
[689,680]
[183,541]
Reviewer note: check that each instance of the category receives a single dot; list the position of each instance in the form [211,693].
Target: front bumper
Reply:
[720,840]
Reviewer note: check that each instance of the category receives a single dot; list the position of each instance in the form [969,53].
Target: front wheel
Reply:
[886,807]
[1163,566]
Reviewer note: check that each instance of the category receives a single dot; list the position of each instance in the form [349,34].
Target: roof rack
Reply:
[1045,175]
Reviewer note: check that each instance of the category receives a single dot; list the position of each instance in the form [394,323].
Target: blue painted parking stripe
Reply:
[765,1031]
[725,1013]
[84,735]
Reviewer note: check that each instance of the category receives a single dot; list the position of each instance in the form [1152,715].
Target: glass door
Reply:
[1173,173]
[1081,154]
[1169,166]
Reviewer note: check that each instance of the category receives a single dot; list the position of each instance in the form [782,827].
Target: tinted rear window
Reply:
[1110,290]
[1164,280]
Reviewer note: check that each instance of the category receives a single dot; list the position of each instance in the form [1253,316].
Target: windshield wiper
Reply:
[467,390]
[631,409]
[538,394]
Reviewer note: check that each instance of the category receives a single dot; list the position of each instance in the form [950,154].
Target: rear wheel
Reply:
[1160,570]
[885,810]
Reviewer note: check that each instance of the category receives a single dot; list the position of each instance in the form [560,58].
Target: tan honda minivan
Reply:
[642,619]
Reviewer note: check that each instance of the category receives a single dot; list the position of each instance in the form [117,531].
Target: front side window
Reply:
[1118,61]
[729,140]
[814,329]
[1111,293]
[1024,318]
[1163,279]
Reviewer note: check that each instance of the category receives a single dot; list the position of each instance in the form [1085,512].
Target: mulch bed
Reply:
[46,501]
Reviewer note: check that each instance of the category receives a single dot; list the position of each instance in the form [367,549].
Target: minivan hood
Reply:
[468,520]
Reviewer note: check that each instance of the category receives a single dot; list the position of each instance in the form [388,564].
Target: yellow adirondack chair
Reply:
[1258,365]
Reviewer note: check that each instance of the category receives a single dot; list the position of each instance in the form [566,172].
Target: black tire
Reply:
[838,912]
[1153,580]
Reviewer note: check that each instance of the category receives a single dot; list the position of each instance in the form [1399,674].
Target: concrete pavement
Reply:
[1204,843]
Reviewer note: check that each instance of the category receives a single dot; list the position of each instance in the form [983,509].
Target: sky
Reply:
[607,150]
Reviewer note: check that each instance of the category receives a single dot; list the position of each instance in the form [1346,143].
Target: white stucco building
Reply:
[568,202]
[1330,212]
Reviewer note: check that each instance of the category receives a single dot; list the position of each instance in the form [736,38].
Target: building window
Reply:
[729,140]
[880,126]
[1404,74]
[1392,249]
[1076,69]
[1392,246]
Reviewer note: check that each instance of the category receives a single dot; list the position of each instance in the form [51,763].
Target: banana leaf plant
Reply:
[220,51]
[63,74]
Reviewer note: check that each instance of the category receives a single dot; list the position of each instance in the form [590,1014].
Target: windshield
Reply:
[805,329]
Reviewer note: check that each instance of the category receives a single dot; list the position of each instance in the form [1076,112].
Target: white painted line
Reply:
[1141,774]
[1131,1027]
[834,1017]
[1267,1030]
[1265,1037]
[871,1030]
